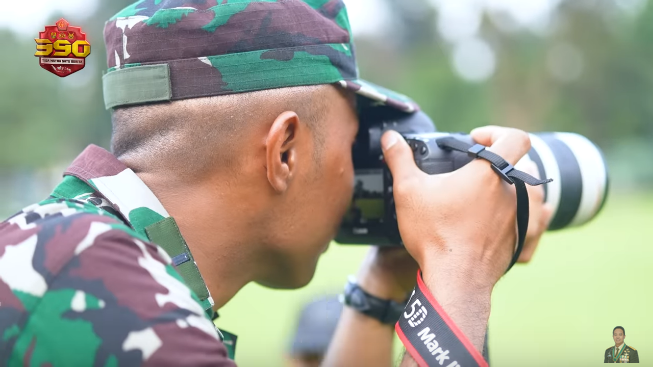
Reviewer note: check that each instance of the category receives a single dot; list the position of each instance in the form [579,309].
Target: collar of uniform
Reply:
[623,345]
[142,210]
[127,193]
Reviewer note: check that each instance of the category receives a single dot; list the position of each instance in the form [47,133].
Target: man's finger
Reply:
[398,156]
[510,144]
[547,215]
[534,240]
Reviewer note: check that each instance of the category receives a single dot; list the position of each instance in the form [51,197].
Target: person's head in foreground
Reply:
[315,328]
[251,116]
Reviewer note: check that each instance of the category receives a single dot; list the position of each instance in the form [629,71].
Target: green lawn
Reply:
[559,310]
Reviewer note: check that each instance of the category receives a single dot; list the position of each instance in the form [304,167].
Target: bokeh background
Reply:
[584,66]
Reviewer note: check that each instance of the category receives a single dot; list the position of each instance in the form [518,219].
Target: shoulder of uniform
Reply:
[631,348]
[607,350]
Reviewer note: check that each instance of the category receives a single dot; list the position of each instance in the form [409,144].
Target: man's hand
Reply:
[389,272]
[459,226]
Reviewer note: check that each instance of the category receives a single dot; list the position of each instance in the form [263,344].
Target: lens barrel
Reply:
[579,172]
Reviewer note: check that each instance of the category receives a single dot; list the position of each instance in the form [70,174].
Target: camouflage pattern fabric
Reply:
[80,285]
[217,47]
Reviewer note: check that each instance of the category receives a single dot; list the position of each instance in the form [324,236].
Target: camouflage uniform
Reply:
[82,285]
[98,274]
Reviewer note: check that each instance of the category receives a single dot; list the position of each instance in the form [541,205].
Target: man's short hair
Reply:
[619,327]
[190,136]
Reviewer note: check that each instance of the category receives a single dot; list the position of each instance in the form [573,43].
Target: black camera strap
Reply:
[509,174]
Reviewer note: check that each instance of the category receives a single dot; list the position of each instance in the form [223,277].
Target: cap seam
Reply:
[240,54]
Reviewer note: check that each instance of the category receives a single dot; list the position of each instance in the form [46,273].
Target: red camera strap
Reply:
[431,337]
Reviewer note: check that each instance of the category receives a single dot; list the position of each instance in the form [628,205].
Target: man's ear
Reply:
[280,150]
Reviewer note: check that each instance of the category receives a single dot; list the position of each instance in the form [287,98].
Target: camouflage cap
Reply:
[165,50]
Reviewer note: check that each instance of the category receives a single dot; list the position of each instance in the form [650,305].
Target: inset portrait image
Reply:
[620,352]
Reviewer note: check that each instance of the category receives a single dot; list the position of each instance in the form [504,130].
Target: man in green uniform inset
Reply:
[620,353]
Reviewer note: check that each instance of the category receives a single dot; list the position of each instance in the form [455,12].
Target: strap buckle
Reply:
[503,173]
[475,152]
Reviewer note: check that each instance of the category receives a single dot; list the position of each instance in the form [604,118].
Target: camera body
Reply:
[371,218]
[576,165]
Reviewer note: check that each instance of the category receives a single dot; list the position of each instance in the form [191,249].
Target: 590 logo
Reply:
[62,49]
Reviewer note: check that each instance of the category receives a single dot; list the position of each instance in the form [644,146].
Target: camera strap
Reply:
[431,337]
[508,173]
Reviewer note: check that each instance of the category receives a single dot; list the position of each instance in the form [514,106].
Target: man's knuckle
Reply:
[523,139]
[405,187]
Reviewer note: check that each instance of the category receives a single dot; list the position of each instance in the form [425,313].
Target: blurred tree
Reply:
[588,73]
[412,24]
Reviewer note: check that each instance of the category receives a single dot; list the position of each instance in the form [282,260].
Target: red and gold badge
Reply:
[62,49]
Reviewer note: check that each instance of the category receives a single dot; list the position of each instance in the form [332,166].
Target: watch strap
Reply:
[384,310]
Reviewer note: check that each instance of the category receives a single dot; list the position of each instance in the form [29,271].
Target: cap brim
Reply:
[380,96]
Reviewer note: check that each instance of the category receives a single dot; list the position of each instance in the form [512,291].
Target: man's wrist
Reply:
[429,331]
[457,286]
[467,303]
[384,310]
[457,272]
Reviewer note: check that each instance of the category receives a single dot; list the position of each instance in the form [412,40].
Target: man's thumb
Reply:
[398,156]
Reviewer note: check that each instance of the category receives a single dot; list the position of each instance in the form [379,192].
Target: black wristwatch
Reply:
[385,310]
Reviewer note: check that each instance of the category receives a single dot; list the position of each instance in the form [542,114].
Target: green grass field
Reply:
[559,310]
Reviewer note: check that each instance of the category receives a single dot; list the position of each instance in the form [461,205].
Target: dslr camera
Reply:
[577,193]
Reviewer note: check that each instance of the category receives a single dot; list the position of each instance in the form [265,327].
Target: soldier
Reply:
[233,125]
[620,353]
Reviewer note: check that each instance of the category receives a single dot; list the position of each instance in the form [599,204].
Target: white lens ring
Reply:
[593,172]
[551,170]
